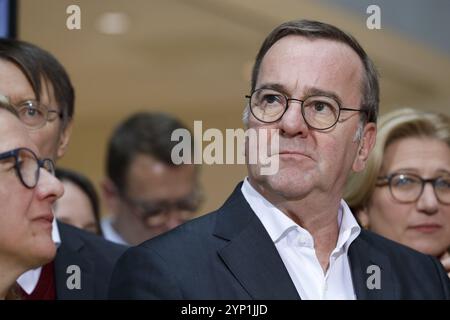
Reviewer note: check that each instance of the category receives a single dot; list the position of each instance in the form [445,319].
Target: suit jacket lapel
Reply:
[250,253]
[70,253]
[367,263]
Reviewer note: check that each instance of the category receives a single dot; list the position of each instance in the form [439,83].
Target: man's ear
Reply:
[110,195]
[64,140]
[363,217]
[366,145]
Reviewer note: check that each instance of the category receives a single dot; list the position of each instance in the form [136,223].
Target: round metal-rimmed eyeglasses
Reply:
[319,112]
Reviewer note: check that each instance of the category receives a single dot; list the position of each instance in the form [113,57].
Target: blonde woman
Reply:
[404,193]
[27,191]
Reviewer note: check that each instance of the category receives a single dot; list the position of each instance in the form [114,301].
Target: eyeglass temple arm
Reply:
[382,181]
[8,154]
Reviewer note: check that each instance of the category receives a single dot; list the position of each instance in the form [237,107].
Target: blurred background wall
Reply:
[193,58]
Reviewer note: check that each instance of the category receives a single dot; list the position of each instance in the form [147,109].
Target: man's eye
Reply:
[31,112]
[320,106]
[151,212]
[271,99]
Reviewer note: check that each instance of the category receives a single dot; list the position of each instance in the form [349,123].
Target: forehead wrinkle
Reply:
[335,57]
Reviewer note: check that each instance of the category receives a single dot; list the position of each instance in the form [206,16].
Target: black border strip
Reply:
[12,28]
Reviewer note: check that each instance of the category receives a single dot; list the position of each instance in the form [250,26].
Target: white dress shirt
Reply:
[29,280]
[296,248]
[109,233]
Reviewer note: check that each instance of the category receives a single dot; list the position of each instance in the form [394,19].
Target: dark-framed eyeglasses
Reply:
[156,213]
[27,165]
[35,114]
[408,187]
[319,112]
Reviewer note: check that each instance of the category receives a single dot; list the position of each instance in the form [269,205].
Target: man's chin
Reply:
[290,185]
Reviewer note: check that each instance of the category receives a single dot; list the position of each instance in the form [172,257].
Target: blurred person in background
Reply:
[146,193]
[39,88]
[79,206]
[404,193]
[28,189]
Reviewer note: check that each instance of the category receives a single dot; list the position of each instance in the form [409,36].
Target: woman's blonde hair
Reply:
[393,126]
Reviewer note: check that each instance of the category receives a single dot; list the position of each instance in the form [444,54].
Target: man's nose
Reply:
[428,202]
[292,123]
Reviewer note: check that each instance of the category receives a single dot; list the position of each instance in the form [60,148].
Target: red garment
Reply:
[45,288]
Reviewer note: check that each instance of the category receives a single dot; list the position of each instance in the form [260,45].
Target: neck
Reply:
[9,272]
[316,212]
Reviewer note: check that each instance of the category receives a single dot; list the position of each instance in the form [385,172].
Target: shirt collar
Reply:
[278,225]
[55,234]
[109,233]
[274,220]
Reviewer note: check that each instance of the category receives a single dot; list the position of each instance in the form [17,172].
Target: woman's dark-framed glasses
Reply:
[408,187]
[27,165]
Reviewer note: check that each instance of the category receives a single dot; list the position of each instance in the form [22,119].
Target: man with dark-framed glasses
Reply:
[290,235]
[146,193]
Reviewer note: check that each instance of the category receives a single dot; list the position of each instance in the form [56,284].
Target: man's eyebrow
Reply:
[310,91]
[313,91]
[22,100]
[274,86]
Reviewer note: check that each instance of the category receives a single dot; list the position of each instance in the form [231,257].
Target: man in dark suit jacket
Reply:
[229,255]
[95,258]
[40,89]
[286,233]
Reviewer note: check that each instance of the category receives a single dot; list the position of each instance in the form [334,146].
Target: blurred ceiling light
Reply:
[113,23]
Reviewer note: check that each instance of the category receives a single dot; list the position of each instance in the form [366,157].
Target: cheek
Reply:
[446,214]
[261,142]
[14,221]
[46,139]
[332,154]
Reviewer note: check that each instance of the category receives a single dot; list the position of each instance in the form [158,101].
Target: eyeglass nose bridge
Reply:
[293,99]
[432,182]
[288,104]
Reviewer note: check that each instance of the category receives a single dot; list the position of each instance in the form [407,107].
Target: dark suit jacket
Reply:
[228,254]
[94,256]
